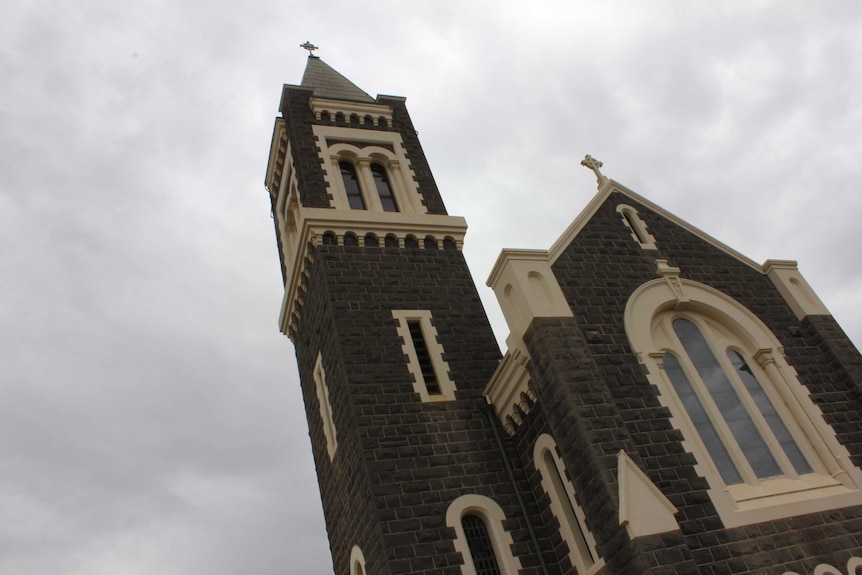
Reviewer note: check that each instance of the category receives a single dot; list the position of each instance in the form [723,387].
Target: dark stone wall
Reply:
[595,399]
[401,462]
[351,518]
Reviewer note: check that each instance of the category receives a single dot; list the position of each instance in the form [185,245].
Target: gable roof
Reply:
[609,186]
[327,83]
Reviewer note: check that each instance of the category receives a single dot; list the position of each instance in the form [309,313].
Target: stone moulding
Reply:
[315,222]
[361,109]
[511,391]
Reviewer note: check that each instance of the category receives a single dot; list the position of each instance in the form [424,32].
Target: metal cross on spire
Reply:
[309,46]
[594,165]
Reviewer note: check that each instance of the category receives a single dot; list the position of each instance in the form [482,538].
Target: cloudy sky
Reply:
[150,414]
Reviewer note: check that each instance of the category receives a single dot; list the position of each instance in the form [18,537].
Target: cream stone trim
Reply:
[361,109]
[435,351]
[511,391]
[276,155]
[357,561]
[314,222]
[585,565]
[854,567]
[491,513]
[401,175]
[637,227]
[793,287]
[644,510]
[599,199]
[526,288]
[835,481]
[325,407]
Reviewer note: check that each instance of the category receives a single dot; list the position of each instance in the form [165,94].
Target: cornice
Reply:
[361,109]
[315,222]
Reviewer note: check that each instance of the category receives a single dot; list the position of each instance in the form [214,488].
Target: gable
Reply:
[611,187]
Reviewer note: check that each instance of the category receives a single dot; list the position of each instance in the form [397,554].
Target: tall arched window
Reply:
[720,407]
[480,538]
[758,439]
[570,516]
[351,185]
[384,190]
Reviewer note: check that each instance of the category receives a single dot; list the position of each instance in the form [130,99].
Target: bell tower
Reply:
[393,345]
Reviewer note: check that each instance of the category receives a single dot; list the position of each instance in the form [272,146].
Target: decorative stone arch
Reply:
[636,226]
[357,561]
[727,324]
[363,157]
[492,515]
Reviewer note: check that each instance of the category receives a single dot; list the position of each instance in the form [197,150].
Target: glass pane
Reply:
[383,188]
[733,411]
[800,464]
[351,186]
[480,546]
[726,468]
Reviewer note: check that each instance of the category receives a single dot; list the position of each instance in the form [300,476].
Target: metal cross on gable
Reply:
[308,46]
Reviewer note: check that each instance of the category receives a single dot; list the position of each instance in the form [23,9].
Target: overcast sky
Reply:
[150,413]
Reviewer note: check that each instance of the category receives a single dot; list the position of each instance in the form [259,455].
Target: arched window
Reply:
[371,240]
[582,545]
[757,437]
[391,241]
[351,185]
[430,243]
[636,226]
[330,239]
[484,544]
[384,190]
[481,549]
[411,242]
[350,239]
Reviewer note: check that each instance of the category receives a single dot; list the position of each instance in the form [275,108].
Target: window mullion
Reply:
[812,444]
[714,413]
[368,187]
[756,415]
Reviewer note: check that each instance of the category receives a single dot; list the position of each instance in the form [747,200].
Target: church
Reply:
[665,404]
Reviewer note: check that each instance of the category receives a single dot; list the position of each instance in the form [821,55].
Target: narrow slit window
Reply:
[564,506]
[429,371]
[325,407]
[637,227]
[424,358]
[582,547]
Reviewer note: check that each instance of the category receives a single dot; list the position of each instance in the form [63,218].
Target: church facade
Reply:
[665,404]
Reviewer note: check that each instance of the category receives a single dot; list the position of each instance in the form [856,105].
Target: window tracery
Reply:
[758,439]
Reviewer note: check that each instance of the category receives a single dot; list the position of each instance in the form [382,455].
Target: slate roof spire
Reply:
[328,83]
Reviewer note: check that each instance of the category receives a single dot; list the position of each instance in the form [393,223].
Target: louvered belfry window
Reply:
[424,358]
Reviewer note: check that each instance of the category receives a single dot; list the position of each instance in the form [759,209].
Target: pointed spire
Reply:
[328,83]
